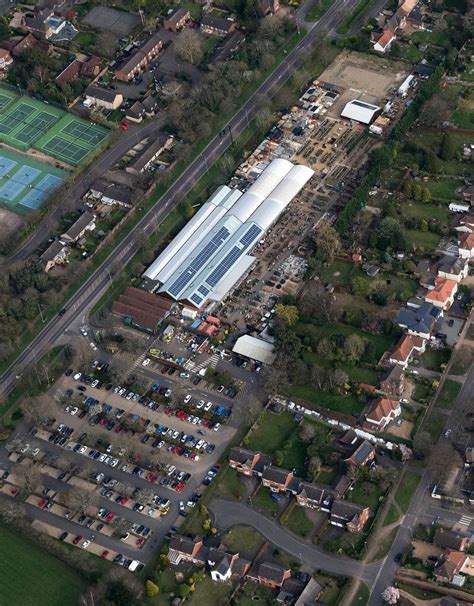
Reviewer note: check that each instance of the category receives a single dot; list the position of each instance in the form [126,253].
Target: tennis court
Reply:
[27,123]
[25,183]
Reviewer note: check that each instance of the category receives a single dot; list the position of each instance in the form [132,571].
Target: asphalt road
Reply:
[228,514]
[423,508]
[96,285]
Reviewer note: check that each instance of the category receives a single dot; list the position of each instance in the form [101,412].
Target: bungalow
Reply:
[449,565]
[447,539]
[269,574]
[184,549]
[112,194]
[140,59]
[350,516]
[103,97]
[407,346]
[311,593]
[176,20]
[243,460]
[363,454]
[382,412]
[276,478]
[216,26]
[422,321]
[453,268]
[316,497]
[86,222]
[394,382]
[55,254]
[443,293]
[149,156]
[466,245]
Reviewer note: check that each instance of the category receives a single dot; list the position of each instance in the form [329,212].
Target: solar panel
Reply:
[198,262]
[250,235]
[196,299]
[203,290]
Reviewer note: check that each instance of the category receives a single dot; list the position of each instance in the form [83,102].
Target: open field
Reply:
[406,490]
[32,577]
[27,123]
[448,394]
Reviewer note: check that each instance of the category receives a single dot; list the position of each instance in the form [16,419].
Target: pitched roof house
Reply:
[140,58]
[362,455]
[442,295]
[217,26]
[269,574]
[407,346]
[183,548]
[243,460]
[394,382]
[382,412]
[383,44]
[453,268]
[177,20]
[466,245]
[422,321]
[86,222]
[349,515]
[55,254]
[315,496]
[276,478]
[447,539]
[222,565]
[449,564]
[103,97]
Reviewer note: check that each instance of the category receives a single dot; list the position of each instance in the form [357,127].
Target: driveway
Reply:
[228,514]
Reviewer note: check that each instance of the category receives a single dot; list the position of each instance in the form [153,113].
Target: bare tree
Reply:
[79,500]
[84,356]
[36,409]
[316,301]
[11,512]
[105,44]
[121,365]
[144,495]
[121,526]
[250,409]
[29,479]
[188,46]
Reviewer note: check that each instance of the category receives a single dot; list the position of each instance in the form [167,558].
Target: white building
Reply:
[210,254]
[459,207]
[255,349]
[360,111]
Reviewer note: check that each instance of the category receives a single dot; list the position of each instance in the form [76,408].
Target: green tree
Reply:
[327,242]
[151,589]
[288,314]
[430,162]
[447,148]
[360,286]
[390,234]
[417,192]
[354,347]
[184,590]
[426,195]
[408,189]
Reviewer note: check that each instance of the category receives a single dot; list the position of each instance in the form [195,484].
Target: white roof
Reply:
[360,111]
[255,349]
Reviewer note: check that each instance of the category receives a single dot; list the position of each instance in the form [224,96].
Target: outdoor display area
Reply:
[26,183]
[27,123]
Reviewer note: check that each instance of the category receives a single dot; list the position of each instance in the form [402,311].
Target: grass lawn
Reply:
[463,358]
[358,374]
[209,592]
[366,494]
[262,501]
[444,189]
[417,239]
[298,522]
[448,394]
[230,486]
[340,273]
[85,40]
[380,342]
[391,517]
[295,454]
[318,10]
[426,211]
[384,545]
[406,490]
[32,577]
[243,540]
[346,24]
[463,118]
[422,392]
[362,595]
[327,476]
[332,593]
[432,359]
[432,140]
[425,37]
[271,432]
[251,591]
[349,405]
[434,425]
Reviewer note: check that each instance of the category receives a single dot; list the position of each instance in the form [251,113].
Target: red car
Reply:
[110,516]
[176,450]
[77,539]
[140,542]
[118,429]
[151,477]
[102,421]
[192,456]
[168,410]
[124,125]
[41,503]
[205,423]
[180,486]
[123,500]
[105,553]
[14,491]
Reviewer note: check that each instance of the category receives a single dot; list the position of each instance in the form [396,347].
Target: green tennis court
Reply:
[6,99]
[65,150]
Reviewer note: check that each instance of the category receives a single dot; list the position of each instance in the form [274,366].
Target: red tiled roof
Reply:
[403,349]
[442,291]
[381,408]
[466,241]
[385,38]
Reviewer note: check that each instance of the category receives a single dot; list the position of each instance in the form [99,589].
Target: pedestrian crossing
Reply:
[209,363]
[465,520]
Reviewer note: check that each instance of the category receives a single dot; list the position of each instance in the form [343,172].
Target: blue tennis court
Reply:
[6,165]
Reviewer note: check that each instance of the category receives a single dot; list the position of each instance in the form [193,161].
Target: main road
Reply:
[94,287]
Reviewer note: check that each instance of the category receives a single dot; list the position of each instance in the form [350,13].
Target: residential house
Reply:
[86,222]
[55,254]
[384,42]
[150,154]
[442,295]
[90,68]
[30,41]
[223,565]
[184,549]
[227,47]
[314,496]
[276,478]
[382,412]
[103,97]
[84,69]
[112,194]
[453,268]
[447,539]
[151,105]
[139,59]
[466,245]
[5,59]
[45,23]
[468,194]
[290,591]
[465,223]
[268,7]
[348,439]
[405,349]
[135,113]
[216,26]
[341,485]
[363,454]
[269,574]
[394,382]
[423,321]
[243,460]
[449,565]
[310,595]
[350,516]
[176,20]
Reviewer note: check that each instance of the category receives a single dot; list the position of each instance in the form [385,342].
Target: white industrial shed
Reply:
[255,349]
[360,111]
[210,254]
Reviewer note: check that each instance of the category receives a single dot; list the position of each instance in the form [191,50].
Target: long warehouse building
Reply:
[210,254]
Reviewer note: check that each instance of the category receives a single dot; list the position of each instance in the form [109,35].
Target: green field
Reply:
[298,522]
[349,405]
[32,577]
[27,123]
[406,490]
[271,432]
[444,189]
[448,394]
[417,239]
